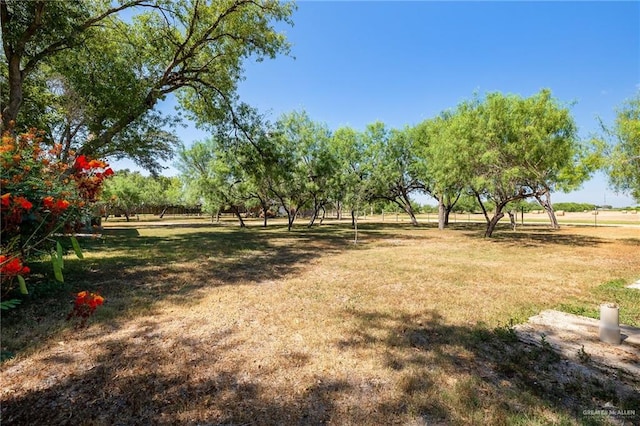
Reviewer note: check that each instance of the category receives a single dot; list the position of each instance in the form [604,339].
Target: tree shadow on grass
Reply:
[537,237]
[135,271]
[148,378]
[476,375]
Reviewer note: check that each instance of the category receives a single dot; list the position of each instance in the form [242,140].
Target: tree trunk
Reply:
[314,216]
[412,215]
[407,208]
[447,213]
[355,230]
[265,213]
[441,213]
[493,222]
[164,210]
[353,218]
[290,219]
[448,206]
[324,213]
[548,207]
[316,211]
[239,216]
[10,111]
[484,210]
[512,219]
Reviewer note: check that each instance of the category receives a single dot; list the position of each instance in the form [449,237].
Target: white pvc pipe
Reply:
[610,323]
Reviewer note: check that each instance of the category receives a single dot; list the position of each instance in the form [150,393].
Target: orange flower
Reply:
[6,199]
[48,202]
[92,300]
[6,147]
[95,301]
[81,297]
[55,205]
[24,203]
[96,164]
[56,150]
[62,204]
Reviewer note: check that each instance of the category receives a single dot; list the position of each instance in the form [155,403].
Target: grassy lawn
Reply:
[211,324]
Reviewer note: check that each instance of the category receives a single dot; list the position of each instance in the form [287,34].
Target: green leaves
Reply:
[22,284]
[76,248]
[95,72]
[5,305]
[505,147]
[57,267]
[623,165]
[59,254]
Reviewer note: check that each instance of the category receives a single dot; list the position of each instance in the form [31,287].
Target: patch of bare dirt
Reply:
[589,362]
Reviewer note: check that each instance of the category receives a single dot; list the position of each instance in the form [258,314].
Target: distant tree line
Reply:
[492,152]
[130,193]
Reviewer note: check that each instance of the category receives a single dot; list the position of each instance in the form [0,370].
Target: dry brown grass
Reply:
[209,324]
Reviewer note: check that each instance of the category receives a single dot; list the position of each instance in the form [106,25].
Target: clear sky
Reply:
[356,62]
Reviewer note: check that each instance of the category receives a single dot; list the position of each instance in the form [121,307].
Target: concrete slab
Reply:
[635,285]
[572,336]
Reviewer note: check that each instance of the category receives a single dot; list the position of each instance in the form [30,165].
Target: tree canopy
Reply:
[98,74]
[623,165]
[504,148]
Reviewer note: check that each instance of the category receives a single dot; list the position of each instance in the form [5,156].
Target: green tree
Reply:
[304,165]
[250,137]
[350,179]
[161,192]
[446,175]
[108,74]
[623,164]
[214,175]
[124,192]
[393,167]
[517,148]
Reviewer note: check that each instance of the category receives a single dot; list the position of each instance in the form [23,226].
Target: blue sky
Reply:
[353,63]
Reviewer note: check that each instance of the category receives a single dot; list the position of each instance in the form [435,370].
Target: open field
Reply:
[211,324]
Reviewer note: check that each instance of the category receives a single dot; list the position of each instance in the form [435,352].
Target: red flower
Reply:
[24,203]
[55,205]
[92,300]
[62,204]
[95,301]
[108,172]
[6,199]
[81,163]
[12,267]
[48,202]
[81,297]
[85,305]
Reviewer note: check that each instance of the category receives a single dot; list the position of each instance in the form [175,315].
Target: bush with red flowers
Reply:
[43,192]
[84,306]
